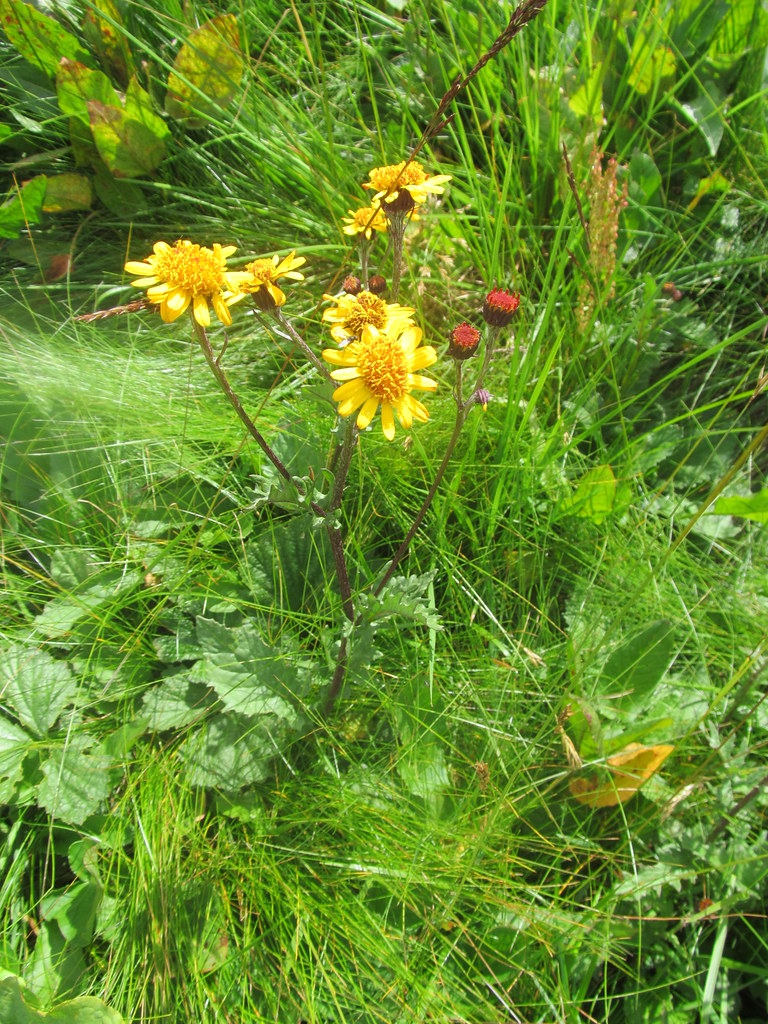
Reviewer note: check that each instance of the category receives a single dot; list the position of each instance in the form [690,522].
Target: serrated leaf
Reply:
[206,72]
[14,747]
[248,675]
[76,783]
[60,615]
[37,686]
[406,597]
[288,564]
[38,38]
[22,207]
[175,703]
[228,752]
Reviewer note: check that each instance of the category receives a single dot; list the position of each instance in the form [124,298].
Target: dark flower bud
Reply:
[351,284]
[482,397]
[402,203]
[463,341]
[499,307]
[376,284]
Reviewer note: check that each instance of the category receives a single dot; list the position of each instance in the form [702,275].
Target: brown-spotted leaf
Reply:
[206,72]
[38,38]
[65,192]
[129,148]
[103,28]
[77,86]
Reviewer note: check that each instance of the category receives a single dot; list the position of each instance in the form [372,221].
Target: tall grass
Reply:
[419,856]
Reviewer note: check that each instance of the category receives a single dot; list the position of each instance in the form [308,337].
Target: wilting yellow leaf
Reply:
[629,769]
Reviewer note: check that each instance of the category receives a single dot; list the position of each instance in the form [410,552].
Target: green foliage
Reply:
[183,834]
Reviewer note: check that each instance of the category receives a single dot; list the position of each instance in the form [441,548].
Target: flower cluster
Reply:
[380,352]
[184,273]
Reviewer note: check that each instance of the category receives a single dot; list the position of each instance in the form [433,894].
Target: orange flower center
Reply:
[404,174]
[366,309]
[262,271]
[381,363]
[193,268]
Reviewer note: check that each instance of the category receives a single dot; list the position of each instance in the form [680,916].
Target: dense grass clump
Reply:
[247,771]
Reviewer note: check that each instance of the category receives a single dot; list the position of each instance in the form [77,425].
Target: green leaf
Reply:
[15,744]
[594,496]
[74,910]
[635,667]
[76,783]
[60,615]
[705,111]
[587,101]
[65,192]
[287,565]
[130,141]
[38,38]
[37,686]
[78,86]
[22,207]
[206,72]
[175,703]
[104,31]
[228,752]
[405,597]
[748,506]
[248,675]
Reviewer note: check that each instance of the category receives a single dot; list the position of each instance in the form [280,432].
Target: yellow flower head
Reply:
[353,313]
[408,176]
[258,278]
[364,221]
[382,369]
[175,275]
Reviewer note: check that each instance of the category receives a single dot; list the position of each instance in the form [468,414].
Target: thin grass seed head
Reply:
[183,273]
[381,369]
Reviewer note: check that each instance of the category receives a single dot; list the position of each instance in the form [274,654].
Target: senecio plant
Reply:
[375,364]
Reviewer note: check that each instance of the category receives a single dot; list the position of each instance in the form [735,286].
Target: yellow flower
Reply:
[259,278]
[364,221]
[178,274]
[355,312]
[381,369]
[408,176]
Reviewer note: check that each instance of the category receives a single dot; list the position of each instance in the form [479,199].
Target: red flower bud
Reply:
[499,307]
[376,284]
[463,341]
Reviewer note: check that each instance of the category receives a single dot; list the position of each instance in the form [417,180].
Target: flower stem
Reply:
[343,459]
[462,409]
[288,327]
[234,401]
[396,234]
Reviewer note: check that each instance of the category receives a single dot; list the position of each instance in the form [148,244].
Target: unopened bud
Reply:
[499,307]
[463,341]
[376,284]
[351,284]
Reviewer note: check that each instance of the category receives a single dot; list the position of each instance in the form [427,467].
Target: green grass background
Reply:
[416,856]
